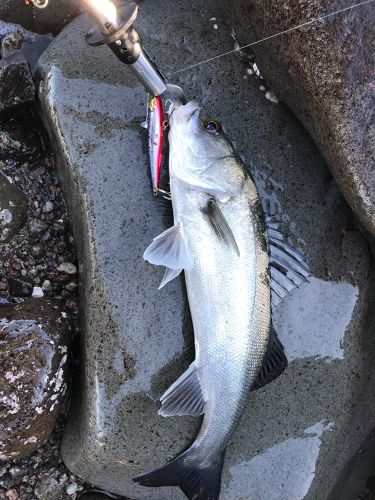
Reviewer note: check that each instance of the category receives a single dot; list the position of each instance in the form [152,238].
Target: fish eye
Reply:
[212,125]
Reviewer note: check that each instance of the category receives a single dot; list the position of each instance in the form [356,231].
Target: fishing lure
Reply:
[155,127]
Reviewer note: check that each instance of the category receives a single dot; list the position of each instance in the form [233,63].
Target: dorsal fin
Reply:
[288,265]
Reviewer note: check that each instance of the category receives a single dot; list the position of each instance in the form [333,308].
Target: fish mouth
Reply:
[193,114]
[185,115]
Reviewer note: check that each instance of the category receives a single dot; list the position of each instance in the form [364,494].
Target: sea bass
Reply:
[219,239]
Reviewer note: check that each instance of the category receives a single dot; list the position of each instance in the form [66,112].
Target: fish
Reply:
[220,239]
[155,127]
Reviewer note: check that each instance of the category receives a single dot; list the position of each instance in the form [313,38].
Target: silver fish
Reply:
[219,239]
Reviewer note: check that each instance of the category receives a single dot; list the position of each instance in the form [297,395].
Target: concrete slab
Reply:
[297,433]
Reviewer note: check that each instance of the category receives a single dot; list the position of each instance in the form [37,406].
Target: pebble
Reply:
[71,489]
[271,97]
[47,286]
[67,268]
[15,472]
[37,250]
[37,292]
[71,286]
[37,227]
[33,271]
[48,207]
[12,494]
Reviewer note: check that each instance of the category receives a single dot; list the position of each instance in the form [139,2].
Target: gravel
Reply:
[39,260]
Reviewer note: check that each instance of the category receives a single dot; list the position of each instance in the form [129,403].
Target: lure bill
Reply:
[155,127]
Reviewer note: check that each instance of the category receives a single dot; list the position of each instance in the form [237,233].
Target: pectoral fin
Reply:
[169,249]
[169,275]
[184,397]
[220,224]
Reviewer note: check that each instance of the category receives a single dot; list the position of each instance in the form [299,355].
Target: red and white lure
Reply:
[155,127]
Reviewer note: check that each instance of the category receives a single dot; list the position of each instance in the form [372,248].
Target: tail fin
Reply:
[196,482]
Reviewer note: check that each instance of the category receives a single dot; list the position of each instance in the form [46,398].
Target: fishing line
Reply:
[269,37]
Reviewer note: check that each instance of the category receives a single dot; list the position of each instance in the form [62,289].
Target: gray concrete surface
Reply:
[296,434]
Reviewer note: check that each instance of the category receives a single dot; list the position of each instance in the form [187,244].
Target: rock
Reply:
[67,268]
[48,207]
[33,354]
[47,286]
[37,250]
[15,472]
[16,85]
[37,292]
[71,286]
[16,42]
[12,494]
[11,42]
[136,340]
[13,210]
[324,73]
[51,19]
[37,228]
[20,140]
[71,489]
[20,288]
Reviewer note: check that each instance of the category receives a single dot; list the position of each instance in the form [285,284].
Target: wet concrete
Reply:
[136,340]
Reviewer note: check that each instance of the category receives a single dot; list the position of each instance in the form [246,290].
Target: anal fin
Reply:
[184,397]
[274,362]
